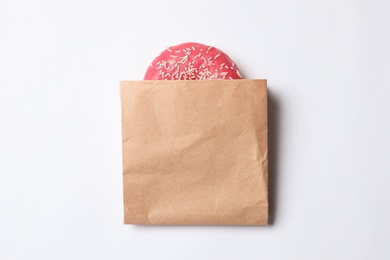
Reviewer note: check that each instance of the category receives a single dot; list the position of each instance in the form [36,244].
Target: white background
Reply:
[327,65]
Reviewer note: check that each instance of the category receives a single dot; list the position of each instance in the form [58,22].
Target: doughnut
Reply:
[192,61]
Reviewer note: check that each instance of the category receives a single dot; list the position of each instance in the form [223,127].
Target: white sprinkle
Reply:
[172,56]
[209,48]
[238,73]
[177,70]
[230,78]
[193,48]
[169,50]
[183,59]
[216,56]
[178,51]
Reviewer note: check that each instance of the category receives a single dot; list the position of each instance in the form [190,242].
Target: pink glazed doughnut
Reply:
[192,61]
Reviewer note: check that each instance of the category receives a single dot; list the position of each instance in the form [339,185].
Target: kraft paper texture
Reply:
[195,152]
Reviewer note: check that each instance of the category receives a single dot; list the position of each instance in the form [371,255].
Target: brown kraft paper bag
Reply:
[195,152]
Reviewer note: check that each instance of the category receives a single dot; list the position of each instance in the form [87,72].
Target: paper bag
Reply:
[195,152]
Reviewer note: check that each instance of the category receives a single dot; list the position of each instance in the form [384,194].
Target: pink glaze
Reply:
[192,61]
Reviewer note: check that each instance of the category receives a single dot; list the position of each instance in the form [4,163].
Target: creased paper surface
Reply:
[195,152]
